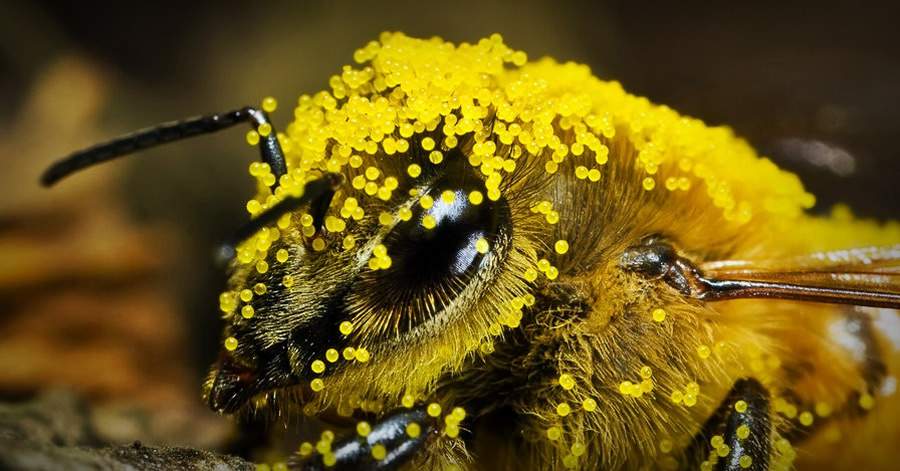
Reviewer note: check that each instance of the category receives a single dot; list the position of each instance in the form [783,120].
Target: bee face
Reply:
[409,267]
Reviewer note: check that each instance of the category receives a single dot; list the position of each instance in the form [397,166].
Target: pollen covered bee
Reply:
[458,258]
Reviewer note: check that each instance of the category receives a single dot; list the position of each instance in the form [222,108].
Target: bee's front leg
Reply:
[391,443]
[739,435]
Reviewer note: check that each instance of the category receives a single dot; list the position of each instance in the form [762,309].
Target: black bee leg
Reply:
[738,436]
[390,444]
[269,148]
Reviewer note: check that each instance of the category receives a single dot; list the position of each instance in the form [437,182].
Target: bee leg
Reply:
[356,452]
[742,423]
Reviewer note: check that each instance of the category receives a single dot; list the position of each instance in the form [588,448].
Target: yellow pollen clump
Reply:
[658,315]
[231,344]
[561,247]
[345,327]
[413,430]
[566,381]
[434,409]
[318,366]
[379,452]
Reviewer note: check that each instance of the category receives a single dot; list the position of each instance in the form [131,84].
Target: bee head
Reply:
[377,300]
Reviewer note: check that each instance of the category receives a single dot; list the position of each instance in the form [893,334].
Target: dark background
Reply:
[805,83]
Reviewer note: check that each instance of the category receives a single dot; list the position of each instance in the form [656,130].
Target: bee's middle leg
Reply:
[742,424]
[400,439]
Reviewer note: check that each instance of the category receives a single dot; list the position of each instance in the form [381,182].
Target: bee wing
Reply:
[867,276]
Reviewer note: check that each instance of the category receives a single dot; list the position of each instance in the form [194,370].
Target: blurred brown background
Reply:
[106,282]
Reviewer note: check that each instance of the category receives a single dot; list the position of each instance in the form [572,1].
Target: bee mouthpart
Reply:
[230,386]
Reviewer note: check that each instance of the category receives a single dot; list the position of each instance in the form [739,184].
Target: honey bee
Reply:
[458,258]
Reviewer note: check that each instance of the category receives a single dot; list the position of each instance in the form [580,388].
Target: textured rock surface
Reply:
[54,432]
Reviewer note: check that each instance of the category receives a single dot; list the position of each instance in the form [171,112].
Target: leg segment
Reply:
[738,435]
[391,435]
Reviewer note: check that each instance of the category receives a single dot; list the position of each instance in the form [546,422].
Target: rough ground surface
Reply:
[54,432]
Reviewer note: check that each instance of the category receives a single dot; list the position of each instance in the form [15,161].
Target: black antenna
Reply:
[269,148]
[317,193]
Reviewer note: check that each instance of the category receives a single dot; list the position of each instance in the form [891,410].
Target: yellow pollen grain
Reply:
[740,406]
[318,366]
[281,255]
[247,312]
[346,327]
[408,401]
[563,409]
[426,202]
[703,351]
[561,246]
[264,129]
[252,137]
[269,104]
[413,430]
[428,222]
[404,214]
[318,244]
[317,385]
[428,143]
[448,196]
[414,170]
[379,452]
[745,461]
[743,431]
[648,183]
[436,157]
[372,173]
[246,295]
[287,281]
[434,409]
[482,245]
[866,401]
[475,197]
[566,381]
[332,355]
[658,315]
[349,242]
[259,289]
[363,428]
[361,355]
[349,353]
[554,433]
[231,344]
[589,404]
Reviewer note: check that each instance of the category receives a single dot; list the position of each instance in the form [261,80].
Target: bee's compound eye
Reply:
[447,238]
